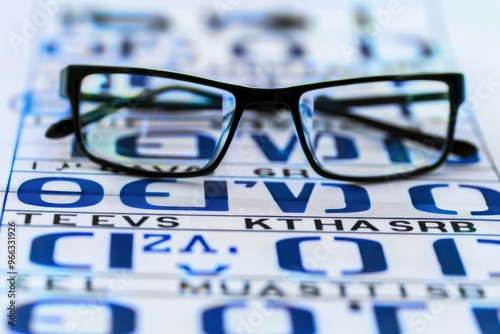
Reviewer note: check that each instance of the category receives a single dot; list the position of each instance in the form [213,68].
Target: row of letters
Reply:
[345,148]
[243,316]
[216,194]
[310,256]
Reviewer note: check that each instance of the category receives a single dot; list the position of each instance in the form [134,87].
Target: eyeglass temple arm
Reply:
[340,108]
[111,104]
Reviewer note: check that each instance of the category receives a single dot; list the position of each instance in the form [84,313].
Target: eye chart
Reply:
[263,245]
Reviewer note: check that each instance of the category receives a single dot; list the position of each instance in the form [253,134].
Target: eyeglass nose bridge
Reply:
[277,96]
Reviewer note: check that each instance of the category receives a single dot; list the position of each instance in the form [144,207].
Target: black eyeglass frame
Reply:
[72,76]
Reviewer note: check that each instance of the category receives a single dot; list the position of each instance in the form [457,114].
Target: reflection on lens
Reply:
[152,123]
[377,129]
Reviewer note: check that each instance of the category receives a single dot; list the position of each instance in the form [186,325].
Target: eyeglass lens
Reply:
[153,123]
[353,130]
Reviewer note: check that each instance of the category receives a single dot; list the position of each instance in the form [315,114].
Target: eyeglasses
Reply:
[165,124]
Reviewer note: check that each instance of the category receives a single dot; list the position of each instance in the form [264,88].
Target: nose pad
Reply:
[306,110]
[228,107]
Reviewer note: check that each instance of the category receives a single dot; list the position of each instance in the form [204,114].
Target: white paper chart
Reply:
[263,245]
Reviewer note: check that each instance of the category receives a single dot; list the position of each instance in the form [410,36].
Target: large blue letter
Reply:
[423,200]
[130,146]
[487,319]
[372,256]
[449,258]
[387,319]
[286,200]
[122,318]
[42,249]
[302,320]
[290,258]
[31,191]
[270,149]
[356,198]
[134,195]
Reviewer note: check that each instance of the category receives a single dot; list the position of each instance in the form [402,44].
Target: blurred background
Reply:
[255,43]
